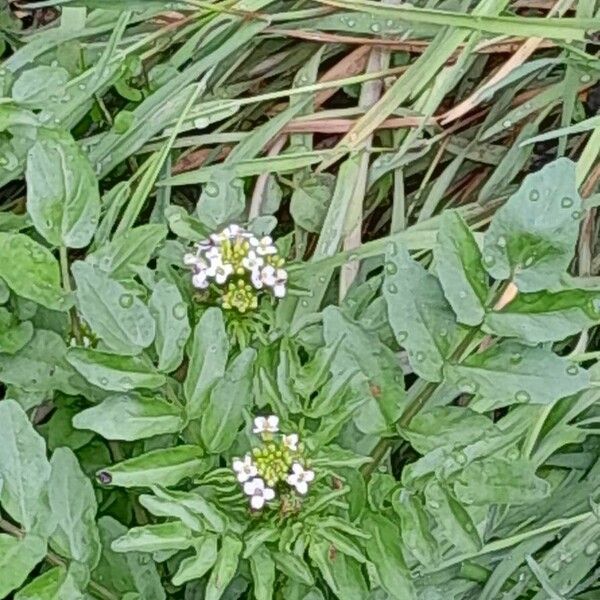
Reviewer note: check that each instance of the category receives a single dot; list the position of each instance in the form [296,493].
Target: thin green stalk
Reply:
[66,281]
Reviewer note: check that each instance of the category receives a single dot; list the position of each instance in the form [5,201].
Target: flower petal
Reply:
[302,487]
[257,502]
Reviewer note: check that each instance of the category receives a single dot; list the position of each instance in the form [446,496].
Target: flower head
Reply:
[258,492]
[245,468]
[300,477]
[268,424]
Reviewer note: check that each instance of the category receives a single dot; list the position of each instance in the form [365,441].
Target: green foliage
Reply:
[425,394]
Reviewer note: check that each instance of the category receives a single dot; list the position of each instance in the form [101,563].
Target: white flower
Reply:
[275,279]
[190,259]
[213,254]
[245,469]
[300,478]
[199,279]
[256,279]
[259,494]
[264,246]
[219,270]
[252,262]
[266,424]
[291,441]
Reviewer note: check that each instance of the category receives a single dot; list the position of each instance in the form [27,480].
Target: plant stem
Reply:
[66,281]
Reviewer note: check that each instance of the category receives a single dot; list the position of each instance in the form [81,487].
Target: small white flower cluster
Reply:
[276,463]
[241,262]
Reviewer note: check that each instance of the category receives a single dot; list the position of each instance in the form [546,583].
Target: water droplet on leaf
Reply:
[522,396]
[126,300]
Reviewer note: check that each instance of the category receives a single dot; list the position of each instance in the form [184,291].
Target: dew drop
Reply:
[460,457]
[375,27]
[392,288]
[391,268]
[434,504]
[389,23]
[420,356]
[467,386]
[566,202]
[516,358]
[513,454]
[401,336]
[180,311]
[591,549]
[489,260]
[572,370]
[351,23]
[304,303]
[443,333]
[211,189]
[462,294]
[507,123]
[522,396]
[528,261]
[576,214]
[82,86]
[126,300]
[103,381]
[534,195]
[501,242]
[585,78]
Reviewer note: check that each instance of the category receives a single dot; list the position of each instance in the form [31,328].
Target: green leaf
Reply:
[73,502]
[123,573]
[222,199]
[459,269]
[40,365]
[114,372]
[158,467]
[262,568]
[341,572]
[24,469]
[22,255]
[510,373]
[224,414]
[13,335]
[532,237]
[447,426]
[383,381]
[154,538]
[419,314]
[191,507]
[452,517]
[225,567]
[310,201]
[18,557]
[128,252]
[131,417]
[415,527]
[55,584]
[196,566]
[62,191]
[294,567]
[499,481]
[545,316]
[208,359]
[383,550]
[172,325]
[34,86]
[115,315]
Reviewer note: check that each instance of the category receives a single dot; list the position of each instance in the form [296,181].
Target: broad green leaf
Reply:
[384,551]
[310,200]
[459,269]
[131,417]
[499,481]
[447,426]
[510,373]
[208,359]
[158,467]
[452,517]
[154,538]
[13,334]
[192,508]
[114,372]
[129,572]
[262,568]
[18,557]
[34,86]
[127,252]
[172,325]
[341,572]
[22,255]
[225,567]
[222,199]
[419,314]
[24,468]
[62,191]
[73,502]
[197,565]
[294,567]
[115,315]
[55,584]
[532,237]
[224,414]
[545,316]
[383,381]
[416,527]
